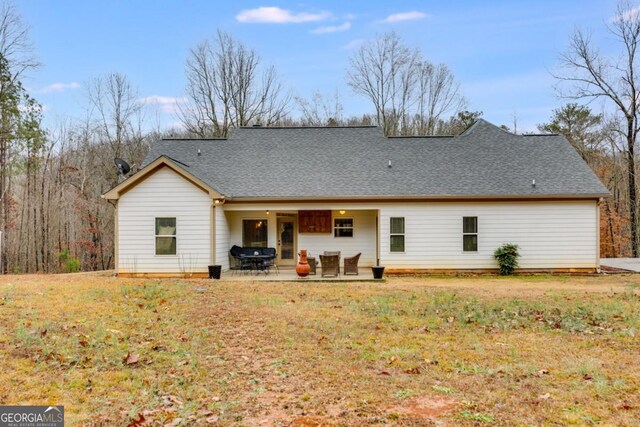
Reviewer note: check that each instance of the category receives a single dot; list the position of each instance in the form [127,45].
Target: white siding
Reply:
[549,234]
[363,240]
[164,194]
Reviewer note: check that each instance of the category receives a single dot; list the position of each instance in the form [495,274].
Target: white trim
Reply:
[403,234]
[352,228]
[155,236]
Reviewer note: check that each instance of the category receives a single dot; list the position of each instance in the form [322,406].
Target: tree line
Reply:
[52,217]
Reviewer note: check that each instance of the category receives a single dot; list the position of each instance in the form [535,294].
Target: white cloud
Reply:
[166,104]
[332,29]
[627,15]
[403,16]
[275,15]
[57,87]
[353,44]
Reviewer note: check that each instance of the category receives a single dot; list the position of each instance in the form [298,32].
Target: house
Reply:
[409,203]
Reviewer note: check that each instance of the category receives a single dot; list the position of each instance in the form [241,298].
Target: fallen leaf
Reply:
[542,372]
[139,421]
[83,343]
[385,373]
[131,358]
[587,377]
[412,371]
[175,422]
[171,400]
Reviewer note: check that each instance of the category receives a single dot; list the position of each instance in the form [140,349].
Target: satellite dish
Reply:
[123,167]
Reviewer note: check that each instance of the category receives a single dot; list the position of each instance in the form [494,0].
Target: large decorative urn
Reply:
[303,268]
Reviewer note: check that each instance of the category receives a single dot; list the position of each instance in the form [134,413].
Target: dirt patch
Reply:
[425,407]
[309,422]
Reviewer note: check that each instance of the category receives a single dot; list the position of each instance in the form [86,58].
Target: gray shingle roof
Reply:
[485,161]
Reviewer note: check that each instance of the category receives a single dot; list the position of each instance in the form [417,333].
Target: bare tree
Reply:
[438,94]
[590,75]
[227,87]
[118,110]
[15,44]
[321,110]
[16,57]
[382,71]
[401,84]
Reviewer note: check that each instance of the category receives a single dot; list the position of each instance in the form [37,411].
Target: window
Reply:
[166,236]
[396,235]
[254,233]
[343,227]
[470,234]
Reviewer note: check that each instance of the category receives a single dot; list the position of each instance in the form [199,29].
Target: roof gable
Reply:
[160,162]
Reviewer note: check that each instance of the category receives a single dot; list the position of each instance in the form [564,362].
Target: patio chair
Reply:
[335,253]
[351,264]
[312,265]
[270,263]
[330,265]
[239,263]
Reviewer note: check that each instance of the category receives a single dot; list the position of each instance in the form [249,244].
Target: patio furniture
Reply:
[271,261]
[252,259]
[330,265]
[312,265]
[239,263]
[333,253]
[351,264]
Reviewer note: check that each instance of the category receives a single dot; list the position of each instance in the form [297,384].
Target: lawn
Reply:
[412,351]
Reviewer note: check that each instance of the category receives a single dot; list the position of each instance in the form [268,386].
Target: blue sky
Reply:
[500,51]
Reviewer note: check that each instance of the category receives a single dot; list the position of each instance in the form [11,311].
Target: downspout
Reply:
[598,203]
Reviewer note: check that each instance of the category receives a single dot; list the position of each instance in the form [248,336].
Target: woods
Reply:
[52,218]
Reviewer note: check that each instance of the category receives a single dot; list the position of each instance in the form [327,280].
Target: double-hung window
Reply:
[396,234]
[343,227]
[166,240]
[470,234]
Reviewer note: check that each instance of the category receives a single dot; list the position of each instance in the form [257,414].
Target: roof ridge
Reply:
[180,138]
[420,136]
[471,129]
[308,127]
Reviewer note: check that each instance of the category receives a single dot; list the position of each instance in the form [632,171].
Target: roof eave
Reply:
[451,197]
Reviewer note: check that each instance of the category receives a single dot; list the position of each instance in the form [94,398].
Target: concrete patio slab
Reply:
[629,264]
[289,275]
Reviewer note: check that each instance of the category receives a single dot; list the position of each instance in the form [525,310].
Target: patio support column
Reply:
[213,223]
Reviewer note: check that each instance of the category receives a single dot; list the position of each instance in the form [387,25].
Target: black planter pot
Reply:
[378,271]
[215,271]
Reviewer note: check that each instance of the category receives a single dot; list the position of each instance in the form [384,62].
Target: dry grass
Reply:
[411,351]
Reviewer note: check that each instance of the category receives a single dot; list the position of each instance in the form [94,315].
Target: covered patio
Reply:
[349,232]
